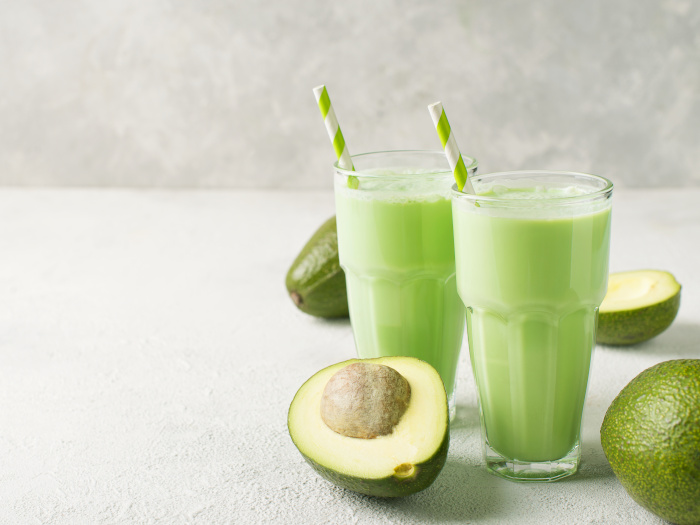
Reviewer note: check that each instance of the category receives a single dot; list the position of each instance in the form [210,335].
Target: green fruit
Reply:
[651,437]
[315,281]
[639,305]
[360,398]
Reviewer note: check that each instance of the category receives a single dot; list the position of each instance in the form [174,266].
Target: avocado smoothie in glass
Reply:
[532,266]
[396,246]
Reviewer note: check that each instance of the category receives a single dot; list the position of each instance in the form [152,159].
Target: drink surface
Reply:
[532,279]
[396,246]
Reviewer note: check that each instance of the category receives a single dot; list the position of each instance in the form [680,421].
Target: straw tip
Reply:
[435,109]
[319,89]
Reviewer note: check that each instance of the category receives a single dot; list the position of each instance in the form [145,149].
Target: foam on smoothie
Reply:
[399,185]
[534,192]
[525,198]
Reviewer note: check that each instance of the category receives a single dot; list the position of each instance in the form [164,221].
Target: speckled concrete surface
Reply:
[148,355]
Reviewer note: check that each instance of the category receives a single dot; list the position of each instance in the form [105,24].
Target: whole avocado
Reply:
[651,437]
[315,281]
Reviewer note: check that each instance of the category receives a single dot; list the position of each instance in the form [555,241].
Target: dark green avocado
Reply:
[315,281]
[651,437]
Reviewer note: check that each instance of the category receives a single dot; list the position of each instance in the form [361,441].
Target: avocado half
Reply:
[651,437]
[315,281]
[403,462]
[638,305]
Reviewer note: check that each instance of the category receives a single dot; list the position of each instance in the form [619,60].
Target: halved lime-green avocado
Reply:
[400,463]
[315,281]
[651,437]
[639,305]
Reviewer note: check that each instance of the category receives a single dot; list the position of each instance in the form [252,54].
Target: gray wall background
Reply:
[217,93]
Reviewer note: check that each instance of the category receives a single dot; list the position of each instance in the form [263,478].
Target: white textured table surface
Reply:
[148,355]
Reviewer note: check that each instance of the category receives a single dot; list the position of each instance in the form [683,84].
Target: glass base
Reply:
[541,471]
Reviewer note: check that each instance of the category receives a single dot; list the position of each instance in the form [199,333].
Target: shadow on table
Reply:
[588,473]
[466,418]
[594,465]
[465,492]
[680,340]
[461,493]
[338,321]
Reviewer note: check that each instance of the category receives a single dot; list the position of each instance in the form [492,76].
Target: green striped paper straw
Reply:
[331,121]
[447,138]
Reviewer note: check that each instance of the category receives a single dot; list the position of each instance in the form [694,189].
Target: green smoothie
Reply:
[532,266]
[396,246]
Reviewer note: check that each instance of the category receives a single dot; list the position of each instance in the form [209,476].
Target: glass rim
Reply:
[470,163]
[605,191]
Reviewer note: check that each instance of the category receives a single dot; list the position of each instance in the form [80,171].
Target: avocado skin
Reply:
[315,281]
[391,486]
[651,437]
[635,326]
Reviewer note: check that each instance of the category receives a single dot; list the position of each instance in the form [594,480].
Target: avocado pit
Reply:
[365,400]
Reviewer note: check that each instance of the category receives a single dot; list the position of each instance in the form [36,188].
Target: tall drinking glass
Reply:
[532,266]
[396,246]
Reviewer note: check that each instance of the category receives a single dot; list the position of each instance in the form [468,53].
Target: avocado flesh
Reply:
[315,281]
[401,463]
[651,437]
[638,305]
